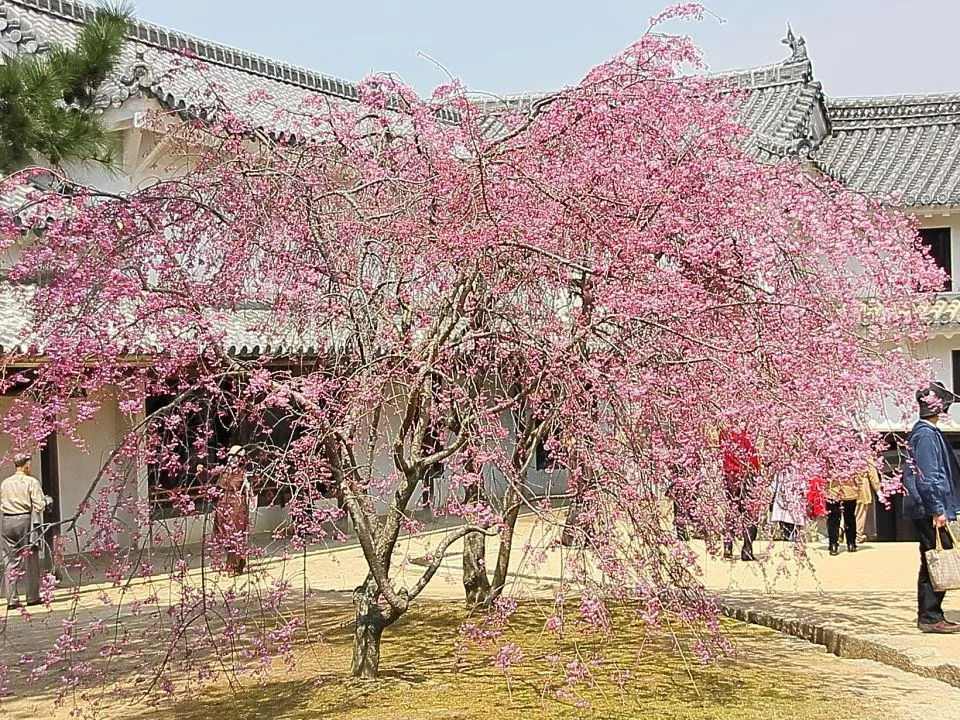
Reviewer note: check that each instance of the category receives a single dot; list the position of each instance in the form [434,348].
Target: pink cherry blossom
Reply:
[420,305]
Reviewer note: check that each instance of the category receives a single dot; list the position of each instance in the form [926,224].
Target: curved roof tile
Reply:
[182,72]
[243,331]
[918,160]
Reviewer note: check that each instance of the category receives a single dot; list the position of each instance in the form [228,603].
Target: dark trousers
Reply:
[929,602]
[738,523]
[23,558]
[849,510]
[749,535]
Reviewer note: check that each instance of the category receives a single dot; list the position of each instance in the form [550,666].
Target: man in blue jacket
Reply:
[931,478]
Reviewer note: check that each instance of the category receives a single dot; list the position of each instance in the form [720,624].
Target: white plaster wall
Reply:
[539,483]
[938,349]
[81,463]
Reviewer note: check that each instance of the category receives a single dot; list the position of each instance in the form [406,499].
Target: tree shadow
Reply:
[867,612]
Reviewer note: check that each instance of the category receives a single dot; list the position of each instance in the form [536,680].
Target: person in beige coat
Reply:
[21,498]
[869,485]
[842,499]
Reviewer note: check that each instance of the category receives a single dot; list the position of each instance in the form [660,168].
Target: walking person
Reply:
[842,500]
[21,497]
[741,465]
[869,486]
[231,522]
[817,498]
[790,505]
[931,478]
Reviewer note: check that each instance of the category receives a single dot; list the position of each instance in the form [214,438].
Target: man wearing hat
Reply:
[931,478]
[21,498]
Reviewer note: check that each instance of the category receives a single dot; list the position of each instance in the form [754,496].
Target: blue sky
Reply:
[859,47]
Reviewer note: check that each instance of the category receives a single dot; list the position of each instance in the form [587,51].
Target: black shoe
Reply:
[834,549]
[747,556]
[33,603]
[851,548]
[14,606]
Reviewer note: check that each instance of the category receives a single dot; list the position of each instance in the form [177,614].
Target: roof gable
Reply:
[182,72]
[783,106]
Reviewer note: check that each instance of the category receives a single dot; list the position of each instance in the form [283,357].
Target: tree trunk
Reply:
[370,624]
[476,586]
[506,544]
[511,502]
[475,582]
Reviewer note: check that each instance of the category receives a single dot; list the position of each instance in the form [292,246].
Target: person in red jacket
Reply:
[817,497]
[741,465]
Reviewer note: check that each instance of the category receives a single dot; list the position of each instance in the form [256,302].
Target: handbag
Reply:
[944,565]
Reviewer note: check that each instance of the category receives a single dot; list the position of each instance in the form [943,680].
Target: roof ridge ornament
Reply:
[138,74]
[797,45]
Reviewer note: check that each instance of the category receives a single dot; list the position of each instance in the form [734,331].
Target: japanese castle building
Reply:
[902,150]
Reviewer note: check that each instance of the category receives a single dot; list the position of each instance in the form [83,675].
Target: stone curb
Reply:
[847,644]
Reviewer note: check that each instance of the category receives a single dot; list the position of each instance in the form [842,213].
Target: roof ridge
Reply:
[774,72]
[790,70]
[895,111]
[215,53]
[857,101]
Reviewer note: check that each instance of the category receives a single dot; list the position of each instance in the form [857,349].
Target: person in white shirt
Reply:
[790,504]
[20,498]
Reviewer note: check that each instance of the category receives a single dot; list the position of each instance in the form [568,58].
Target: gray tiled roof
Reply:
[21,200]
[14,200]
[782,106]
[492,125]
[15,320]
[182,72]
[253,330]
[245,331]
[906,147]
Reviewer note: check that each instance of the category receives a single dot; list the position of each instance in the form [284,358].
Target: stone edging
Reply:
[846,644]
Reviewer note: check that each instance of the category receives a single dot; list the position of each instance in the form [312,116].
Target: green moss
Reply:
[419,679]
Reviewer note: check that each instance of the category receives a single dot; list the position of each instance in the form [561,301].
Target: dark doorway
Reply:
[937,241]
[955,370]
[50,482]
[891,525]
